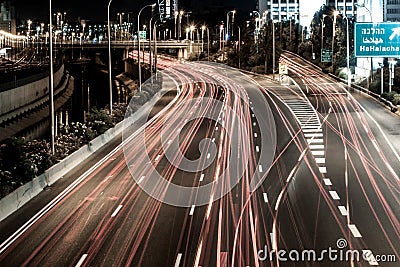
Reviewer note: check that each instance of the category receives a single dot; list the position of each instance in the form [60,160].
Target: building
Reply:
[391,10]
[167,8]
[302,11]
[7,17]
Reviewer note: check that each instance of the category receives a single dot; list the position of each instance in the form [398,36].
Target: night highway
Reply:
[225,169]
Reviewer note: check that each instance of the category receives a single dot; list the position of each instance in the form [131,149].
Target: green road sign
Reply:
[142,35]
[326,55]
[377,39]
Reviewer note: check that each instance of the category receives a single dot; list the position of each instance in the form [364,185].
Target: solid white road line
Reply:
[81,260]
[116,211]
[354,230]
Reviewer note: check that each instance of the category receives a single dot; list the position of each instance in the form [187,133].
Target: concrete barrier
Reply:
[16,199]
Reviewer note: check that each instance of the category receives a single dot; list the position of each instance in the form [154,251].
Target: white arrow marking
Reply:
[396,31]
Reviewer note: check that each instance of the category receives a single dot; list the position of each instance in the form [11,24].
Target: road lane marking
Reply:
[317,140]
[369,256]
[116,211]
[343,210]
[254,124]
[334,195]
[320,160]
[201,177]
[257,149]
[327,182]
[255,135]
[312,147]
[265,197]
[318,152]
[322,169]
[208,156]
[81,260]
[178,260]
[309,135]
[260,169]
[312,130]
[192,210]
[157,158]
[140,180]
[354,230]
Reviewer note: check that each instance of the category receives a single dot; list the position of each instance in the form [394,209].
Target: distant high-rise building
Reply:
[391,10]
[167,8]
[7,17]
[279,10]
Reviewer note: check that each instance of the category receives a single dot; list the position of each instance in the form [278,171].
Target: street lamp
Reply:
[335,13]
[51,82]
[381,65]
[109,54]
[175,16]
[138,28]
[180,23]
[227,23]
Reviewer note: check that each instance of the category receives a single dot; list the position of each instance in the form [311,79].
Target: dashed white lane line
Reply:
[81,260]
[141,179]
[309,135]
[260,168]
[314,147]
[316,140]
[312,130]
[354,230]
[178,260]
[265,197]
[318,152]
[369,256]
[192,210]
[257,149]
[116,211]
[322,169]
[320,160]
[202,177]
[157,158]
[255,135]
[334,195]
[208,156]
[327,182]
[343,210]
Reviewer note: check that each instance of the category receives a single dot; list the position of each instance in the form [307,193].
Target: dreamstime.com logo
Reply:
[233,124]
[339,254]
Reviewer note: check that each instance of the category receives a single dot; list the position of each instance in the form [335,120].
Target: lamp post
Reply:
[175,17]
[381,65]
[180,24]
[109,54]
[138,28]
[335,13]
[273,50]
[51,82]
[150,38]
[227,23]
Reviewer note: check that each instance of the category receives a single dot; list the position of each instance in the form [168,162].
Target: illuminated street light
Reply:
[138,29]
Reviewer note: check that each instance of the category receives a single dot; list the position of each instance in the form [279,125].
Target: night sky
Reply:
[96,10]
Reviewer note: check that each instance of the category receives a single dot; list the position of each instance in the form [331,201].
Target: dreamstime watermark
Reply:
[339,254]
[232,122]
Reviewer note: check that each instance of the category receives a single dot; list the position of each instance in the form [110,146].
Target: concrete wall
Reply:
[18,97]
